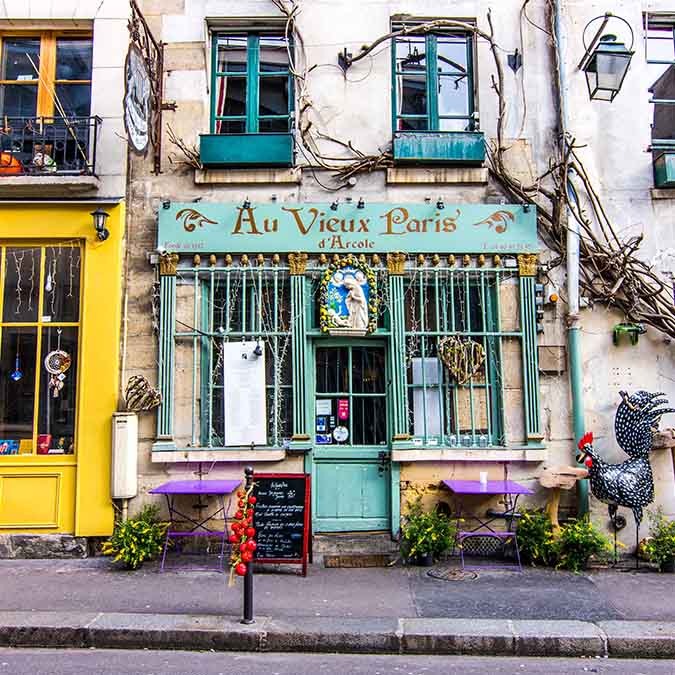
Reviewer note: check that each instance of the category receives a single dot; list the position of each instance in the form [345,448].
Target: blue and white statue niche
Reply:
[348,299]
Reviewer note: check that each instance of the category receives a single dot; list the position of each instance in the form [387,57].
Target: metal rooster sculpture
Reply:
[631,483]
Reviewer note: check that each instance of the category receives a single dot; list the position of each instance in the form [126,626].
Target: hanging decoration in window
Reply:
[463,357]
[348,298]
[57,363]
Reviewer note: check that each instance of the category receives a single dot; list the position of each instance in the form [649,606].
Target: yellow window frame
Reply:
[39,325]
[46,84]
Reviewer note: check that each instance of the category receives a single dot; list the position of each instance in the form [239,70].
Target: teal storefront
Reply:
[375,336]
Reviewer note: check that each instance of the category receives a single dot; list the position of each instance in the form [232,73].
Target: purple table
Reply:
[511,491]
[217,488]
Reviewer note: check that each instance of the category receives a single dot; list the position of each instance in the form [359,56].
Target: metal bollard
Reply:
[248,577]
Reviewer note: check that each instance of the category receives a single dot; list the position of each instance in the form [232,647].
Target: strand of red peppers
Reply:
[243,533]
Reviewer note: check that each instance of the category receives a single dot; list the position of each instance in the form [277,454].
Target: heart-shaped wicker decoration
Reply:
[463,357]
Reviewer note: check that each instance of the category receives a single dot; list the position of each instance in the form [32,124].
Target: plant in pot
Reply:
[137,539]
[536,538]
[425,534]
[660,546]
[578,541]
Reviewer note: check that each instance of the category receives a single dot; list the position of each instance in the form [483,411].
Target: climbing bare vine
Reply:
[611,272]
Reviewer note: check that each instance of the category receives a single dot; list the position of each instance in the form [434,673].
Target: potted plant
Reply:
[425,534]
[137,539]
[579,540]
[660,546]
[536,538]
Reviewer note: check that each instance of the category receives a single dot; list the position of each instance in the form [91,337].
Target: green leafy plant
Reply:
[137,539]
[660,547]
[426,531]
[536,538]
[579,540]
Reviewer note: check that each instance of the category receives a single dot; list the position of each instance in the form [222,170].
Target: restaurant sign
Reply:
[316,227]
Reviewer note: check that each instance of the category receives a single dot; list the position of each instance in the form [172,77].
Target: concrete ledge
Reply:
[34,546]
[442,175]
[438,454]
[52,185]
[643,639]
[628,639]
[246,176]
[457,636]
[663,193]
[190,455]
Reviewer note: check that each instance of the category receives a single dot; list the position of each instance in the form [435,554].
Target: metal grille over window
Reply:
[456,339]
[221,305]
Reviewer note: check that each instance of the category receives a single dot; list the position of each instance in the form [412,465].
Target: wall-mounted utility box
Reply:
[664,169]
[246,150]
[124,473]
[440,147]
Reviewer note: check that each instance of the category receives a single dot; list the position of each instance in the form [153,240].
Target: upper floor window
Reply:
[252,86]
[434,82]
[47,74]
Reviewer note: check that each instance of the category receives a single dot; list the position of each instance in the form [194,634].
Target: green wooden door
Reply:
[350,467]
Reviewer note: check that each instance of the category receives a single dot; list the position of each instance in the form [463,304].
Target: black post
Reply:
[248,577]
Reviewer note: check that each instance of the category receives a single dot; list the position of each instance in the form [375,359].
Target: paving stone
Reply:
[457,636]
[558,638]
[640,639]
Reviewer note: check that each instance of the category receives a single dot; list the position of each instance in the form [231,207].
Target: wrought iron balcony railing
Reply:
[48,146]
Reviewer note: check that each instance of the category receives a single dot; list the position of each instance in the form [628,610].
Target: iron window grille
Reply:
[223,304]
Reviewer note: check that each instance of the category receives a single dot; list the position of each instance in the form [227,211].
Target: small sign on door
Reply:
[343,409]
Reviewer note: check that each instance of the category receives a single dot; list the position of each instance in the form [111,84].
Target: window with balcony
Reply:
[434,104]
[45,104]
[251,101]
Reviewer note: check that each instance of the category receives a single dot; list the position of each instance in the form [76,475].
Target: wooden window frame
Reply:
[46,84]
[40,324]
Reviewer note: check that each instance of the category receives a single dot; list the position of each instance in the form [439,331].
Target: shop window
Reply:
[434,111]
[251,100]
[39,335]
[45,103]
[447,408]
[220,307]
[660,30]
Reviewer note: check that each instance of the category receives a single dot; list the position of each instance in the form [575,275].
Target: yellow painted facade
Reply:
[71,493]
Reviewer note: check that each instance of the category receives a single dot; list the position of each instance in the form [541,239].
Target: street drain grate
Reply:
[452,574]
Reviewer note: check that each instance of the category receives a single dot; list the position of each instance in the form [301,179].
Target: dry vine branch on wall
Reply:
[610,271]
[190,152]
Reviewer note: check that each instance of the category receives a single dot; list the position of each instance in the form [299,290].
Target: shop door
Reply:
[351,472]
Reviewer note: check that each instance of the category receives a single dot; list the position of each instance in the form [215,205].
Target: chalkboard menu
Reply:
[281,517]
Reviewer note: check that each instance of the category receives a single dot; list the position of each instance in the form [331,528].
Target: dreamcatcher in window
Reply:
[57,363]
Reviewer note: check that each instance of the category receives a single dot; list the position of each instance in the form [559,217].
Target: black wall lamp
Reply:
[606,60]
[100,217]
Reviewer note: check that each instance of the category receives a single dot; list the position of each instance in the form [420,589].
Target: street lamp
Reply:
[606,62]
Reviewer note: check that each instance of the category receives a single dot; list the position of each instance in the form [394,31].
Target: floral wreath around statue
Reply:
[327,322]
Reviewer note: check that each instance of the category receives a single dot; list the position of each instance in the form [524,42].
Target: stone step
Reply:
[354,543]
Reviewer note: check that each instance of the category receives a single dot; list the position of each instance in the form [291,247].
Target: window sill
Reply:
[663,193]
[53,185]
[440,175]
[169,453]
[246,176]
[459,148]
[491,454]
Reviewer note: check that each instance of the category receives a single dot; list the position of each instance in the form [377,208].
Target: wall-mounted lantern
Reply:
[606,61]
[100,217]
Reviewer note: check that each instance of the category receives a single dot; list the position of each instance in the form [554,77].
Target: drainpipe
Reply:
[573,327]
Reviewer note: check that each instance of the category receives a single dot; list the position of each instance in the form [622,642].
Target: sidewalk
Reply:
[401,610]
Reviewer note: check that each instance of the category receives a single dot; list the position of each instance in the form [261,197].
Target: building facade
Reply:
[345,284]
[347,256]
[63,156]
